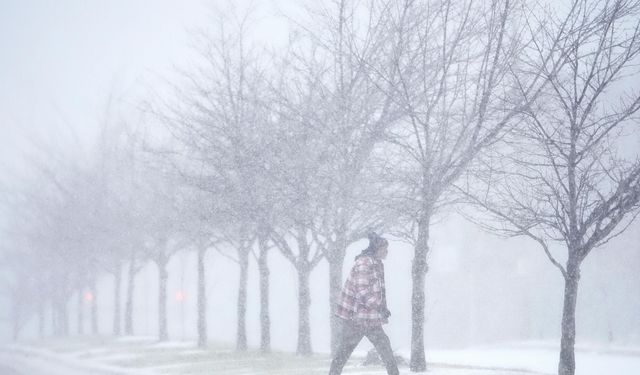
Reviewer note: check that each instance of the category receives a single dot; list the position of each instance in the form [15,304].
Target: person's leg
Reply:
[380,340]
[350,338]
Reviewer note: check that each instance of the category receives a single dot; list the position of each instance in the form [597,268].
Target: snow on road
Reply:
[12,364]
[120,357]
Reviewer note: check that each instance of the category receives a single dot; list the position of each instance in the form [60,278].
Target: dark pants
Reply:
[351,336]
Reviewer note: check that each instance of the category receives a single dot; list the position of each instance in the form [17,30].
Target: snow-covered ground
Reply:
[543,358]
[143,356]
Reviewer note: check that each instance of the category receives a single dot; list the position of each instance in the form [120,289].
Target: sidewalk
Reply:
[144,356]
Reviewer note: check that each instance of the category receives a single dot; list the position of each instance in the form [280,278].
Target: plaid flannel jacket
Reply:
[363,295]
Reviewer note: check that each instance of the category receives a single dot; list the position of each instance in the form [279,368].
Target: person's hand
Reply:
[385,312]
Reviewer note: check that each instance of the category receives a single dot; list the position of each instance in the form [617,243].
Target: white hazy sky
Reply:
[61,59]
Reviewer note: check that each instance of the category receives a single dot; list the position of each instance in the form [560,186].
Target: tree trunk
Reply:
[64,317]
[16,332]
[567,364]
[57,321]
[336,263]
[128,309]
[55,327]
[94,308]
[304,302]
[202,299]
[116,299]
[41,319]
[56,314]
[419,270]
[80,312]
[472,310]
[16,329]
[241,338]
[265,319]
[163,276]
[16,316]
[62,306]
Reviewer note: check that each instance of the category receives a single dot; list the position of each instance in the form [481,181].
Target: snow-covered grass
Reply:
[542,357]
[144,356]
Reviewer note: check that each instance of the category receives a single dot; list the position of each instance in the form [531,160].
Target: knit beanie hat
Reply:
[375,242]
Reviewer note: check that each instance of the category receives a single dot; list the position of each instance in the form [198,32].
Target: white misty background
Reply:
[101,92]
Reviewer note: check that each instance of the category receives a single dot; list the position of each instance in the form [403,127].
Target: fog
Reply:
[482,290]
[107,115]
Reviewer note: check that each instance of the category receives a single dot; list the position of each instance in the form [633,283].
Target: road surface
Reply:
[19,364]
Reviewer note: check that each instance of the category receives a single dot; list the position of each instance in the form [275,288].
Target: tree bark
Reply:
[64,317]
[241,336]
[94,309]
[57,319]
[304,302]
[567,363]
[55,327]
[80,312]
[16,316]
[116,300]
[63,299]
[41,318]
[56,323]
[202,299]
[336,263]
[419,270]
[265,319]
[128,308]
[16,329]
[163,276]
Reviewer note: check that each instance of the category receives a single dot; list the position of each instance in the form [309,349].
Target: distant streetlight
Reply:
[180,296]
[88,296]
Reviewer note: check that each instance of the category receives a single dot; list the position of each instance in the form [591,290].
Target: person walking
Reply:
[362,307]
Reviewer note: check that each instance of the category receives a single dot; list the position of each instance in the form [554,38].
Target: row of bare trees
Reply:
[381,115]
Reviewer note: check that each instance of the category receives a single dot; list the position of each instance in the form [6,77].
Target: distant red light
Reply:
[180,296]
[88,296]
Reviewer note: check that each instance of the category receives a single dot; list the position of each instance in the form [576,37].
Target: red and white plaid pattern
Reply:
[363,295]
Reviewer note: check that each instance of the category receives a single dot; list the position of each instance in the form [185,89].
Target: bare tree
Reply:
[19,284]
[300,176]
[304,260]
[220,120]
[461,83]
[202,297]
[565,178]
[165,234]
[337,58]
[54,225]
[131,216]
[205,228]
